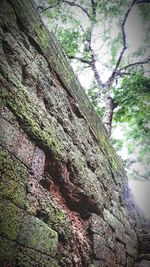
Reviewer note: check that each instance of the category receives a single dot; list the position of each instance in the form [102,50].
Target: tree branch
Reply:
[96,74]
[94,6]
[93,61]
[88,46]
[144,61]
[42,9]
[77,5]
[124,44]
[86,61]
[68,3]
[142,2]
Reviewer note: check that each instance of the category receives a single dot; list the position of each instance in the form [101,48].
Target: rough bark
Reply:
[108,115]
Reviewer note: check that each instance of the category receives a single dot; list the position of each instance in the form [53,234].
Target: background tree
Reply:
[133,95]
[95,37]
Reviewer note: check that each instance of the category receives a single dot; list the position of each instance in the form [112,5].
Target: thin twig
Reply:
[86,61]
[142,2]
[124,44]
[144,61]
[77,5]
[46,8]
[67,2]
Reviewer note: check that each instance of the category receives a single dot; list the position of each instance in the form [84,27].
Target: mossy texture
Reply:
[13,178]
[8,251]
[24,107]
[54,217]
[28,257]
[35,234]
[10,219]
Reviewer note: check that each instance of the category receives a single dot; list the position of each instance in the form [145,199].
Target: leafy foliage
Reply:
[70,41]
[133,97]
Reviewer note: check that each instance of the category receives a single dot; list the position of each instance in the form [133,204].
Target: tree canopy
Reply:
[107,43]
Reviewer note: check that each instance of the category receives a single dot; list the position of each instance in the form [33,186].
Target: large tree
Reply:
[107,43]
[95,34]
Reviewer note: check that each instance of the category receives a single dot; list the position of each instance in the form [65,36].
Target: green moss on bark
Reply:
[8,251]
[26,110]
[55,217]
[13,179]
[10,219]
[35,234]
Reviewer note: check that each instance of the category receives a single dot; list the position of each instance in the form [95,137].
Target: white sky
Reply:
[141,191]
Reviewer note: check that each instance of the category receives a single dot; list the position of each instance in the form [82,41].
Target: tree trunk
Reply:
[108,115]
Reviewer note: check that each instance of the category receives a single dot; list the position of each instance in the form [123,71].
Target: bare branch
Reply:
[93,2]
[124,43]
[96,73]
[43,9]
[93,60]
[94,6]
[90,49]
[68,3]
[144,61]
[86,61]
[121,74]
[91,63]
[142,2]
[77,5]
[86,67]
